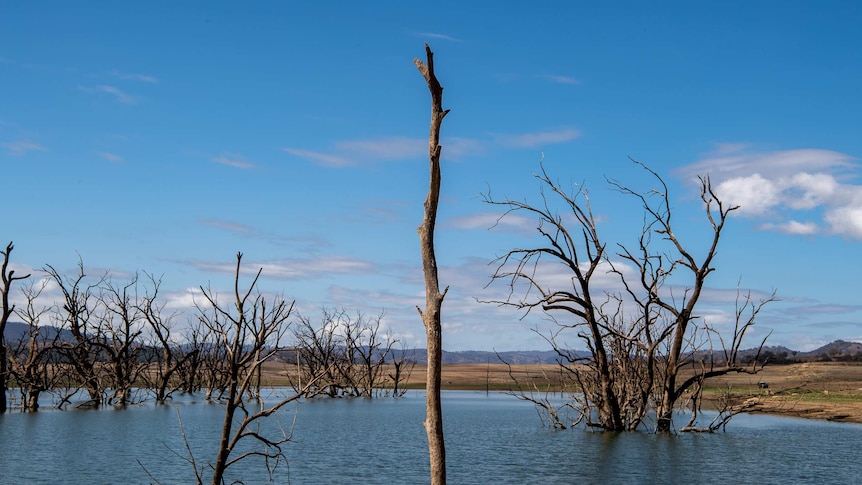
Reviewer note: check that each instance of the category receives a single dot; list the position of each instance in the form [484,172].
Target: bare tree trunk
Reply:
[8,278]
[433,297]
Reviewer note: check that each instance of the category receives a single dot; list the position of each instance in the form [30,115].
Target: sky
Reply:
[165,137]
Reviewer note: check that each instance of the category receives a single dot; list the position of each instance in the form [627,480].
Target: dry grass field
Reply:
[818,390]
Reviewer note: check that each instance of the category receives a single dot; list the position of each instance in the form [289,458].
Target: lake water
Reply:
[490,439]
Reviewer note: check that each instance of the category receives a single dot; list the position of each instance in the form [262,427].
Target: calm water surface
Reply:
[493,439]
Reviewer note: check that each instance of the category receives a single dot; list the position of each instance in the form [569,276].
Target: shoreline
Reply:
[838,411]
[828,391]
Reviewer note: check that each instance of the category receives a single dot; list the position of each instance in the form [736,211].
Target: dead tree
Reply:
[371,351]
[431,317]
[552,412]
[402,367]
[581,251]
[191,370]
[638,338]
[215,374]
[7,276]
[656,260]
[715,363]
[75,314]
[349,352]
[250,328]
[33,361]
[121,324]
[319,352]
[168,356]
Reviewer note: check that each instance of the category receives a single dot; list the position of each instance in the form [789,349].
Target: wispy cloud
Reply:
[320,158]
[490,220]
[233,160]
[786,185]
[561,79]
[389,148]
[542,138]
[375,150]
[301,244]
[376,212]
[733,160]
[21,147]
[295,269]
[433,35]
[134,77]
[457,148]
[228,226]
[111,157]
[117,93]
[792,227]
[822,308]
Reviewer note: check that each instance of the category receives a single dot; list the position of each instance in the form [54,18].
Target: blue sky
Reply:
[166,136]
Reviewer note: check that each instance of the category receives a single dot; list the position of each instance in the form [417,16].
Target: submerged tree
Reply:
[433,296]
[34,362]
[7,278]
[75,314]
[249,329]
[120,325]
[638,338]
[349,352]
[168,357]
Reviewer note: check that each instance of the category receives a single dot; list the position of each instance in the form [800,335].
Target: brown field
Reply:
[817,390]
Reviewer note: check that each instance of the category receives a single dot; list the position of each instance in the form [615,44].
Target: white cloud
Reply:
[561,79]
[118,94]
[457,148]
[529,140]
[781,184]
[390,148]
[228,226]
[320,158]
[134,77]
[292,269]
[846,220]
[111,157]
[753,194]
[233,160]
[738,160]
[433,35]
[793,227]
[21,147]
[490,220]
[375,150]
[182,300]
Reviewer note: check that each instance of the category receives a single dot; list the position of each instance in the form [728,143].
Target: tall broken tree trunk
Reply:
[7,277]
[433,297]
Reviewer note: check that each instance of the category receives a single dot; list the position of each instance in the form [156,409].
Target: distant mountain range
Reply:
[837,350]
[15,331]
